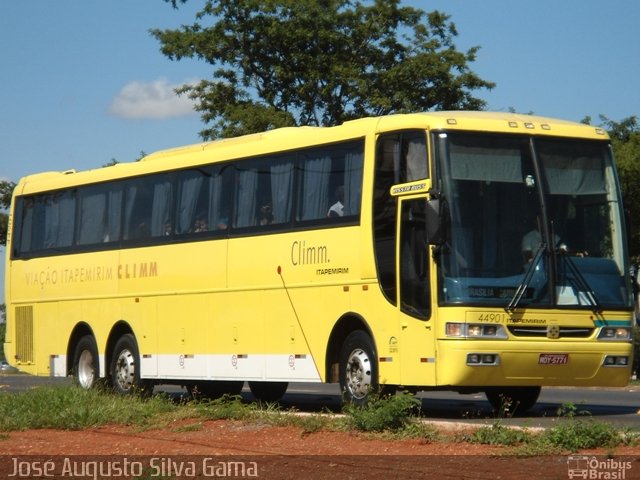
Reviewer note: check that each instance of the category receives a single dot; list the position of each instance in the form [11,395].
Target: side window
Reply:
[246,198]
[203,203]
[331,182]
[48,221]
[147,209]
[314,199]
[59,219]
[99,212]
[415,298]
[400,157]
[277,193]
[384,214]
[413,162]
[23,230]
[221,198]
[264,194]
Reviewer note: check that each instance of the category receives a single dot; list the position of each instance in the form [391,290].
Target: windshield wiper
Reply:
[581,283]
[528,275]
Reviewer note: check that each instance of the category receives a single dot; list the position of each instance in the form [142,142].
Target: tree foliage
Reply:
[625,138]
[6,189]
[308,62]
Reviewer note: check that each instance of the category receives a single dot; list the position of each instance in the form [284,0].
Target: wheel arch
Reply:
[80,330]
[119,328]
[346,324]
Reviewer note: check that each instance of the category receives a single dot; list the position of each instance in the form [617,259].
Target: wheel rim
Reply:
[86,372]
[359,376]
[125,370]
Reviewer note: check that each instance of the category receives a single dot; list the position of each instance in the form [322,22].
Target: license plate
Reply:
[553,359]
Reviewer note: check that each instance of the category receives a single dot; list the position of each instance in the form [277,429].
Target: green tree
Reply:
[625,138]
[307,62]
[6,189]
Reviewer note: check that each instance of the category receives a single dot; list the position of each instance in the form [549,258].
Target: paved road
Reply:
[619,406]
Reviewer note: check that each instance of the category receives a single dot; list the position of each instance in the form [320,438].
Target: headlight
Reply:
[454,329]
[475,330]
[615,333]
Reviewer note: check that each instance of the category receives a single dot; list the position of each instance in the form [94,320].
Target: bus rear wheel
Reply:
[85,363]
[268,391]
[513,400]
[358,368]
[125,368]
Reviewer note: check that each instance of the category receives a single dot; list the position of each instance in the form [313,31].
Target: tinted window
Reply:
[264,194]
[99,209]
[204,200]
[331,183]
[148,203]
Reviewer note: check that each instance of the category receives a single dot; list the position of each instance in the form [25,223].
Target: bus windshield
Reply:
[530,222]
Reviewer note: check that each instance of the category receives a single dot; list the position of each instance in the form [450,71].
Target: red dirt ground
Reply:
[282,453]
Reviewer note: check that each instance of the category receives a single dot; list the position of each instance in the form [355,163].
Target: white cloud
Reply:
[153,100]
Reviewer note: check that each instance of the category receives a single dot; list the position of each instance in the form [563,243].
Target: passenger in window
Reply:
[337,209]
[201,224]
[168,229]
[266,215]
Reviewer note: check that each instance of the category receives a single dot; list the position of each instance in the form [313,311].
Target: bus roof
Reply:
[289,138]
[498,122]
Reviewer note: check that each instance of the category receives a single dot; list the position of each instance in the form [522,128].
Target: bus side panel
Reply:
[300,283]
[57,291]
[185,326]
[165,295]
[288,347]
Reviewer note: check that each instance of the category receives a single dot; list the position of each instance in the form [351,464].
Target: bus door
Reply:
[417,344]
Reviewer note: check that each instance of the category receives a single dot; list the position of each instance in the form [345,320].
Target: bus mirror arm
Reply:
[434,224]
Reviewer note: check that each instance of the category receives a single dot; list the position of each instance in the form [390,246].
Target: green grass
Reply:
[572,432]
[70,408]
[392,417]
[392,413]
[499,434]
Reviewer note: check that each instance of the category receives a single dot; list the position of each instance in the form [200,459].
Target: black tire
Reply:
[512,400]
[358,369]
[215,389]
[86,366]
[268,391]
[125,368]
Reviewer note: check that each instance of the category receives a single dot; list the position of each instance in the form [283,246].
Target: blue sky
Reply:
[84,82]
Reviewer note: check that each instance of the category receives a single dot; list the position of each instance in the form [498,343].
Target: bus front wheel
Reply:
[513,400]
[85,363]
[125,368]
[358,368]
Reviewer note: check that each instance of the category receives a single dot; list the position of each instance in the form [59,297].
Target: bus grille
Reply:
[565,332]
[24,334]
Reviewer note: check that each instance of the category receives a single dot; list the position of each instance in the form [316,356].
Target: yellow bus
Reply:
[468,251]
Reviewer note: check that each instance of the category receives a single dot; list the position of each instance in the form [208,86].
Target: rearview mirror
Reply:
[435,231]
